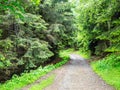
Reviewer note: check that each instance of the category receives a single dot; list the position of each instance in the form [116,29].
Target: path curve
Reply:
[77,75]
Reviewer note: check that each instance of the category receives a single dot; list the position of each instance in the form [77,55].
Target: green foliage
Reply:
[38,52]
[99,21]
[1,64]
[65,54]
[61,30]
[26,78]
[30,52]
[14,7]
[6,44]
[2,58]
[108,62]
[32,31]
[21,37]
[1,32]
[37,2]
[3,61]
[109,69]
[18,82]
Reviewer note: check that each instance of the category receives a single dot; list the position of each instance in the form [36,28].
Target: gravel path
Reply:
[77,75]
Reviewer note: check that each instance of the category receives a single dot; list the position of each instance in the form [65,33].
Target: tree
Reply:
[99,21]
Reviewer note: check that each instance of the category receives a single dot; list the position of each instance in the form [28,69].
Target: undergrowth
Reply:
[26,78]
[109,69]
[18,82]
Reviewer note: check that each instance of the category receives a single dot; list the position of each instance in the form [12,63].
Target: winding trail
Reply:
[77,75]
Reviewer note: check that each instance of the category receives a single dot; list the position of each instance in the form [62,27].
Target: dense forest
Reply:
[32,33]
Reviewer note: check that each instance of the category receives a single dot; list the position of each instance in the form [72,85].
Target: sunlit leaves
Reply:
[37,2]
[13,6]
[100,19]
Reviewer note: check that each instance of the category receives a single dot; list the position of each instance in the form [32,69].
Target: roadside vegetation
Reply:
[99,33]
[109,69]
[43,84]
[26,78]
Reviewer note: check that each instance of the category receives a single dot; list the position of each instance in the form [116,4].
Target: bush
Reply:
[109,69]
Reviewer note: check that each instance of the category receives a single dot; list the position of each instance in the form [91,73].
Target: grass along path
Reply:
[43,84]
[25,79]
[109,69]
